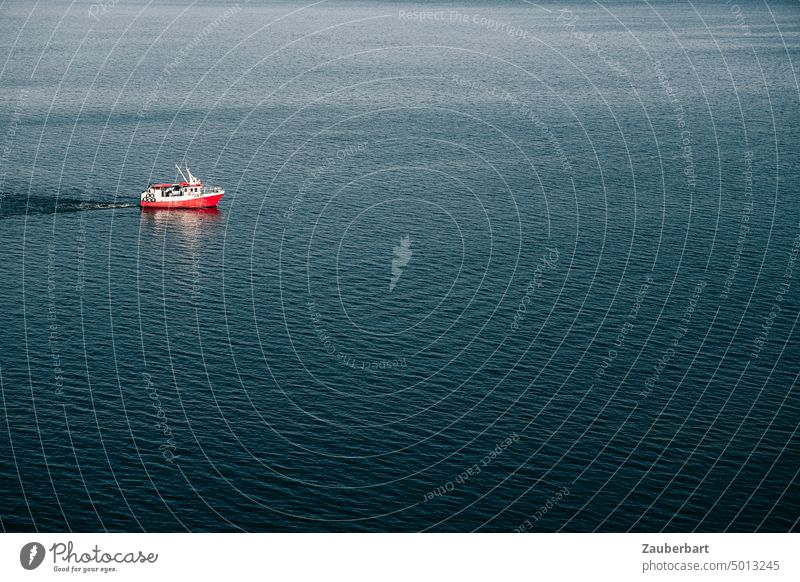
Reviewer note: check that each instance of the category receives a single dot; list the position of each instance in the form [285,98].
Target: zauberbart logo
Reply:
[31,555]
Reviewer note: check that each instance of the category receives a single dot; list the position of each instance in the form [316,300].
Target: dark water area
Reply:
[26,205]
[494,266]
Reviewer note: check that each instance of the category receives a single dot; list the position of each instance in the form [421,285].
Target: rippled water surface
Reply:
[470,262]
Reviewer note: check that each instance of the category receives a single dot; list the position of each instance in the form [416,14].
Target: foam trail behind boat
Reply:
[21,205]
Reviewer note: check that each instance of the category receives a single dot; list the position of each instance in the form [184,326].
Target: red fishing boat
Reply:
[187,194]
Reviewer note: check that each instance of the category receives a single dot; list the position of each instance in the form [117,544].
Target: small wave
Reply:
[19,205]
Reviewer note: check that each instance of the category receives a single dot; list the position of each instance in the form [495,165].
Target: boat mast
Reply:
[181,171]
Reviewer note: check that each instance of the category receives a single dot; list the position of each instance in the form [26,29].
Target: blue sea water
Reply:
[480,266]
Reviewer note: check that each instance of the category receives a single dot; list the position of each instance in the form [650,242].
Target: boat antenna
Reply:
[181,171]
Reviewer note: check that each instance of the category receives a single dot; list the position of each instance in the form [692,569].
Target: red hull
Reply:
[204,202]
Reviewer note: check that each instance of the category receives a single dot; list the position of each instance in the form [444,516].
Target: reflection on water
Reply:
[190,226]
[182,244]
